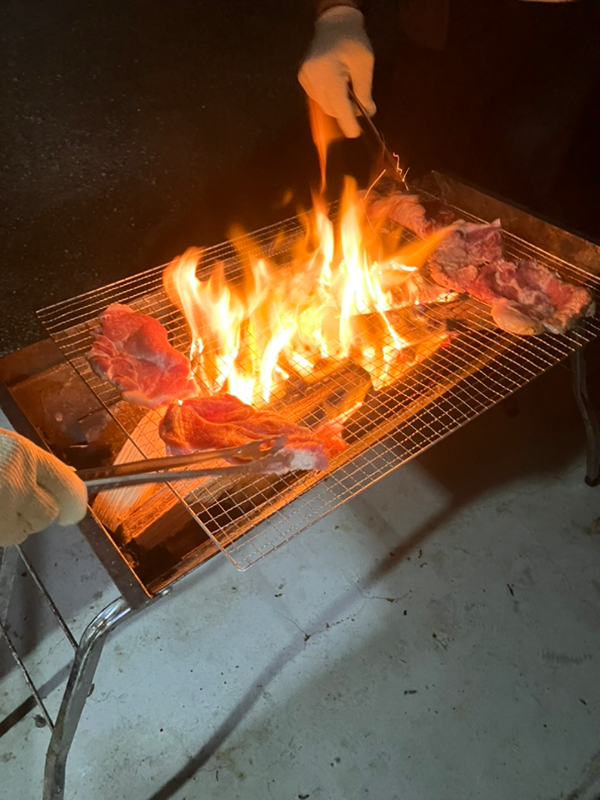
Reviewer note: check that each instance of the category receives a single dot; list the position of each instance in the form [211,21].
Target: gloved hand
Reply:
[36,489]
[340,53]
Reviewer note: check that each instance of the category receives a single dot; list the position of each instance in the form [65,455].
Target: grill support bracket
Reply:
[590,418]
[78,689]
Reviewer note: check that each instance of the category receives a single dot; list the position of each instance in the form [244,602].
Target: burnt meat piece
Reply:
[455,263]
[218,421]
[132,351]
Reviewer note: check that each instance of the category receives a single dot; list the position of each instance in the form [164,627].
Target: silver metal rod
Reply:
[392,158]
[48,598]
[8,569]
[590,420]
[264,466]
[77,691]
[27,676]
[250,452]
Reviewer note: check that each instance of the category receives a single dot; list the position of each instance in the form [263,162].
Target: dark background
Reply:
[131,130]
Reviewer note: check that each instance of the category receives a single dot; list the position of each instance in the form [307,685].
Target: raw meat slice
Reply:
[570,302]
[132,351]
[387,202]
[455,263]
[526,294]
[404,209]
[217,421]
[507,279]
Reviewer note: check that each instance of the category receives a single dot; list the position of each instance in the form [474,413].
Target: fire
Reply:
[324,131]
[331,305]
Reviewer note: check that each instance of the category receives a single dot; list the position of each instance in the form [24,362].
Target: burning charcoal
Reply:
[386,346]
[305,375]
[332,397]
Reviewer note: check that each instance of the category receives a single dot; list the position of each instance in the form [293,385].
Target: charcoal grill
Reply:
[480,368]
[438,395]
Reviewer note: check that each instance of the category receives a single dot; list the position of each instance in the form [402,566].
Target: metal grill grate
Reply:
[448,387]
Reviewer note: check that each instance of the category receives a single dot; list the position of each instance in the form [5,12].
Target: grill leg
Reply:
[77,691]
[590,420]
[8,568]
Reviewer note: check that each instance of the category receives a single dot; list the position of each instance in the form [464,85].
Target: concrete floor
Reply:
[435,637]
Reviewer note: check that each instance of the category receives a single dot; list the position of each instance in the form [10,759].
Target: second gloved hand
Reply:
[36,489]
[340,54]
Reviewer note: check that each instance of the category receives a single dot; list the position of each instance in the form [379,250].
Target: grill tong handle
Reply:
[252,456]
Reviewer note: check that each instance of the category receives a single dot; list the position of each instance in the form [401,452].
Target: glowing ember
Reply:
[332,304]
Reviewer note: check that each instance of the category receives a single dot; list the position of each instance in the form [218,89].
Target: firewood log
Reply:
[311,405]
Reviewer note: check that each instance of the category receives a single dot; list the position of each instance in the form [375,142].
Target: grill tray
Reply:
[482,366]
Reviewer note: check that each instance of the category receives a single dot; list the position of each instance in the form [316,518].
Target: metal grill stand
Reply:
[89,649]
[83,668]
[445,390]
[78,689]
[590,419]
[451,400]
[87,655]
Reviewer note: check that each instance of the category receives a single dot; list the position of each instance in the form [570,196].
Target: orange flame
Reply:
[332,304]
[325,130]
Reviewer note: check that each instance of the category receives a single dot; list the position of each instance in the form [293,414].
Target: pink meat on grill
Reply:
[456,262]
[569,302]
[387,202]
[527,297]
[508,279]
[218,421]
[404,209]
[132,351]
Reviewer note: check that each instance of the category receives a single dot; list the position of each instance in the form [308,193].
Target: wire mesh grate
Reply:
[447,377]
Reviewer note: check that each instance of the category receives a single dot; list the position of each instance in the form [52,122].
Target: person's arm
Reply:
[340,53]
[36,489]
[321,6]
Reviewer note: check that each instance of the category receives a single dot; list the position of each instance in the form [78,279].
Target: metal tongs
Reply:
[255,457]
[392,159]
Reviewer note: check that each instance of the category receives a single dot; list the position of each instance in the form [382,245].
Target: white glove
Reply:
[36,489]
[340,53]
